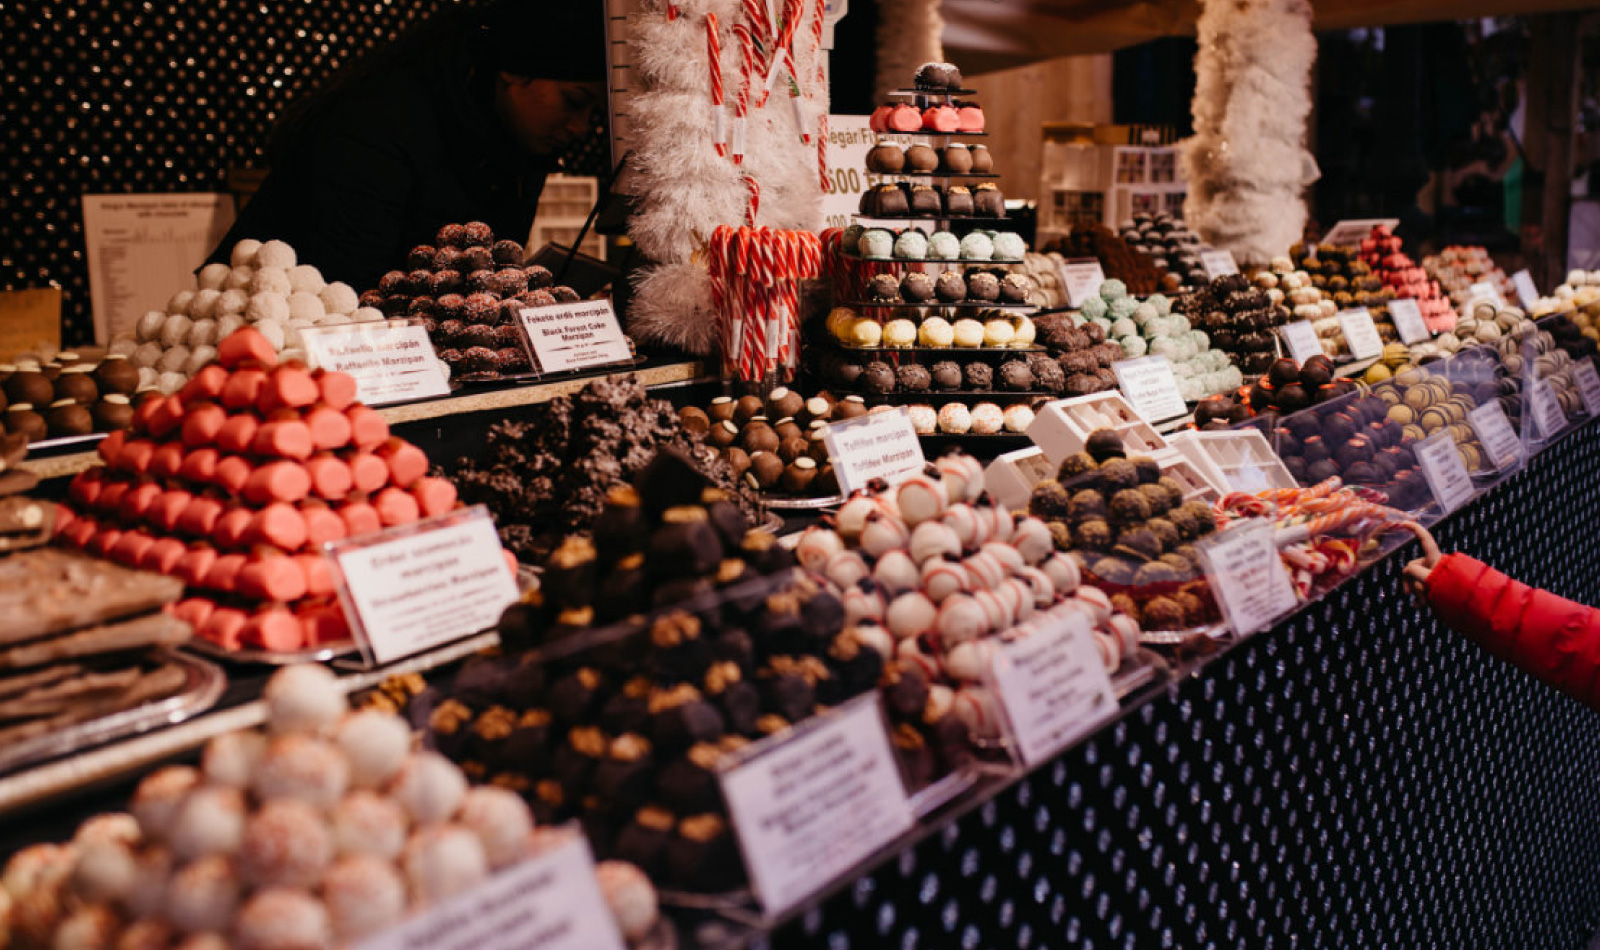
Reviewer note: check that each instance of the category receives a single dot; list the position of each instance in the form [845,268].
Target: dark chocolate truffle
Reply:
[951,287]
[980,377]
[1016,376]
[946,375]
[884,288]
[913,378]
[878,377]
[886,159]
[1104,444]
[921,158]
[983,286]
[917,287]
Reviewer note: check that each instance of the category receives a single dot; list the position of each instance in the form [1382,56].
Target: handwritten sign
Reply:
[1217,262]
[1081,277]
[391,361]
[1408,322]
[810,805]
[1360,333]
[572,336]
[1148,384]
[1247,576]
[1052,687]
[1501,443]
[1446,474]
[1302,340]
[1526,291]
[418,586]
[877,445]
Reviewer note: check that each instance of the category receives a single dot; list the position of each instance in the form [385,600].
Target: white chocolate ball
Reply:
[306,306]
[226,325]
[339,297]
[304,277]
[285,844]
[149,326]
[212,276]
[157,799]
[244,252]
[281,918]
[430,787]
[124,346]
[180,301]
[274,332]
[365,822]
[364,895]
[175,329]
[204,895]
[267,306]
[231,301]
[500,819]
[443,861]
[173,360]
[239,279]
[203,332]
[275,254]
[210,821]
[204,304]
[376,744]
[231,758]
[273,280]
[306,697]
[199,358]
[366,315]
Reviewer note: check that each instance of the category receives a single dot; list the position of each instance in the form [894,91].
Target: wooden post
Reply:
[1552,92]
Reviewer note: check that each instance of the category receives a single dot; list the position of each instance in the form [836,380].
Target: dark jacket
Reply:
[379,165]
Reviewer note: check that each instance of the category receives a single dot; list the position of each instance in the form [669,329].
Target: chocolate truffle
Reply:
[1016,376]
[925,199]
[1049,376]
[938,77]
[1075,466]
[878,377]
[982,161]
[29,386]
[799,475]
[1116,474]
[958,201]
[951,287]
[979,376]
[886,159]
[112,412]
[913,378]
[1104,444]
[987,201]
[921,158]
[1088,504]
[1129,506]
[956,158]
[983,286]
[765,468]
[884,288]
[117,374]
[1092,535]
[946,375]
[917,287]
[21,419]
[67,418]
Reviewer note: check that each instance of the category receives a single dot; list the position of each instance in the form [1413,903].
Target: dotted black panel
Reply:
[1359,777]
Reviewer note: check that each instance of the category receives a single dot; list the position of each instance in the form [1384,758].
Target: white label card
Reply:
[1217,263]
[571,336]
[816,802]
[1149,385]
[551,901]
[850,138]
[418,586]
[1354,232]
[1447,475]
[1360,333]
[1082,277]
[1526,291]
[1583,373]
[1053,687]
[1500,441]
[877,445]
[391,361]
[1408,322]
[1547,412]
[1247,576]
[1483,290]
[1302,340]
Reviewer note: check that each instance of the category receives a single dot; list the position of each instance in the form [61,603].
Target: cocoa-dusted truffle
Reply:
[1117,474]
[1160,501]
[1129,506]
[1016,376]
[1138,543]
[1163,613]
[980,377]
[878,377]
[913,378]
[1092,535]
[1076,465]
[946,375]
[1088,504]
[1165,531]
[1050,501]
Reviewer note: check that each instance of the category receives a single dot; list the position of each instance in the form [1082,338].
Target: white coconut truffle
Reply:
[301,767]
[125,346]
[305,306]
[293,353]
[429,787]
[202,333]
[204,895]
[268,305]
[105,871]
[239,279]
[363,895]
[180,301]
[376,744]
[231,758]
[146,935]
[304,277]
[291,332]
[306,697]
[231,301]
[199,358]
[365,822]
[334,320]
[153,872]
[157,799]
[500,819]
[366,315]
[244,252]
[212,276]
[274,332]
[274,280]
[443,861]
[281,918]
[226,325]
[173,359]
[275,254]
[175,329]
[286,844]
[148,378]
[210,821]
[339,297]
[204,304]
[630,896]
[149,326]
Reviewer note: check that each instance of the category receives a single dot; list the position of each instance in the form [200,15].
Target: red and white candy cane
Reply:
[718,94]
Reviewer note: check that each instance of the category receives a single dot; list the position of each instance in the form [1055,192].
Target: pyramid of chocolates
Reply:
[234,483]
[1382,253]
[468,290]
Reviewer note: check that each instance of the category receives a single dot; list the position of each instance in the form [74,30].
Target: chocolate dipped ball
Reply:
[694,420]
[1016,376]
[925,199]
[917,287]
[784,402]
[884,288]
[979,377]
[799,475]
[21,419]
[913,378]
[765,470]
[886,159]
[956,159]
[984,287]
[723,434]
[850,407]
[67,418]
[791,449]
[946,375]
[759,437]
[76,386]
[951,287]
[921,158]
[117,374]
[721,409]
[878,377]
[747,408]
[982,161]
[30,386]
[787,428]
[114,411]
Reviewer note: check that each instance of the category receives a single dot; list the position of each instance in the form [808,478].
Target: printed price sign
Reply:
[571,336]
[1353,232]
[1547,412]
[1302,340]
[1408,322]
[1217,263]
[1052,686]
[850,138]
[1082,277]
[425,584]
[810,804]
[551,901]
[1149,385]
[1447,475]
[1360,333]
[877,445]
[1526,291]
[1588,385]
[1483,290]
[1501,443]
[391,361]
[1247,576]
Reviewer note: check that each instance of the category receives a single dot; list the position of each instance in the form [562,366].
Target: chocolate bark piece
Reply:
[25,523]
[19,683]
[158,683]
[48,591]
[146,631]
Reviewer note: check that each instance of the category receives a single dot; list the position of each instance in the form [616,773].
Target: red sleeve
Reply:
[1554,639]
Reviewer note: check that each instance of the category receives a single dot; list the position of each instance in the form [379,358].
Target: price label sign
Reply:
[1583,373]
[391,360]
[1052,686]
[1408,322]
[1217,263]
[419,586]
[850,138]
[1547,414]
[1302,340]
[1501,443]
[1360,333]
[810,804]
[551,901]
[572,336]
[1526,291]
[1447,475]
[1081,277]
[1247,576]
[1355,231]
[877,445]
[1483,290]
[1149,385]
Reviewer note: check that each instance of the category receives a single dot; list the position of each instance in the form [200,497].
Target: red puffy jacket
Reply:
[1554,639]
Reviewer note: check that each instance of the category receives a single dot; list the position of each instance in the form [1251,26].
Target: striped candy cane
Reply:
[718,94]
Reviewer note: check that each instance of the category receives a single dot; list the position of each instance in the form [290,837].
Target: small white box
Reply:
[1010,478]
[1196,486]
[1061,428]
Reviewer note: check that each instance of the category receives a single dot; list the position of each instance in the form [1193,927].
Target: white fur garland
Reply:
[685,188]
[1247,165]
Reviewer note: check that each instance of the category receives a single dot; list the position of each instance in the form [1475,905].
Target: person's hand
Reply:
[1415,575]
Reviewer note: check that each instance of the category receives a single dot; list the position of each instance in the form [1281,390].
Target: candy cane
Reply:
[754,188]
[718,94]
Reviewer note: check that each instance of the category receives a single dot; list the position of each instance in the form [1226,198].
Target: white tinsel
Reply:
[910,33]
[684,189]
[1247,166]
